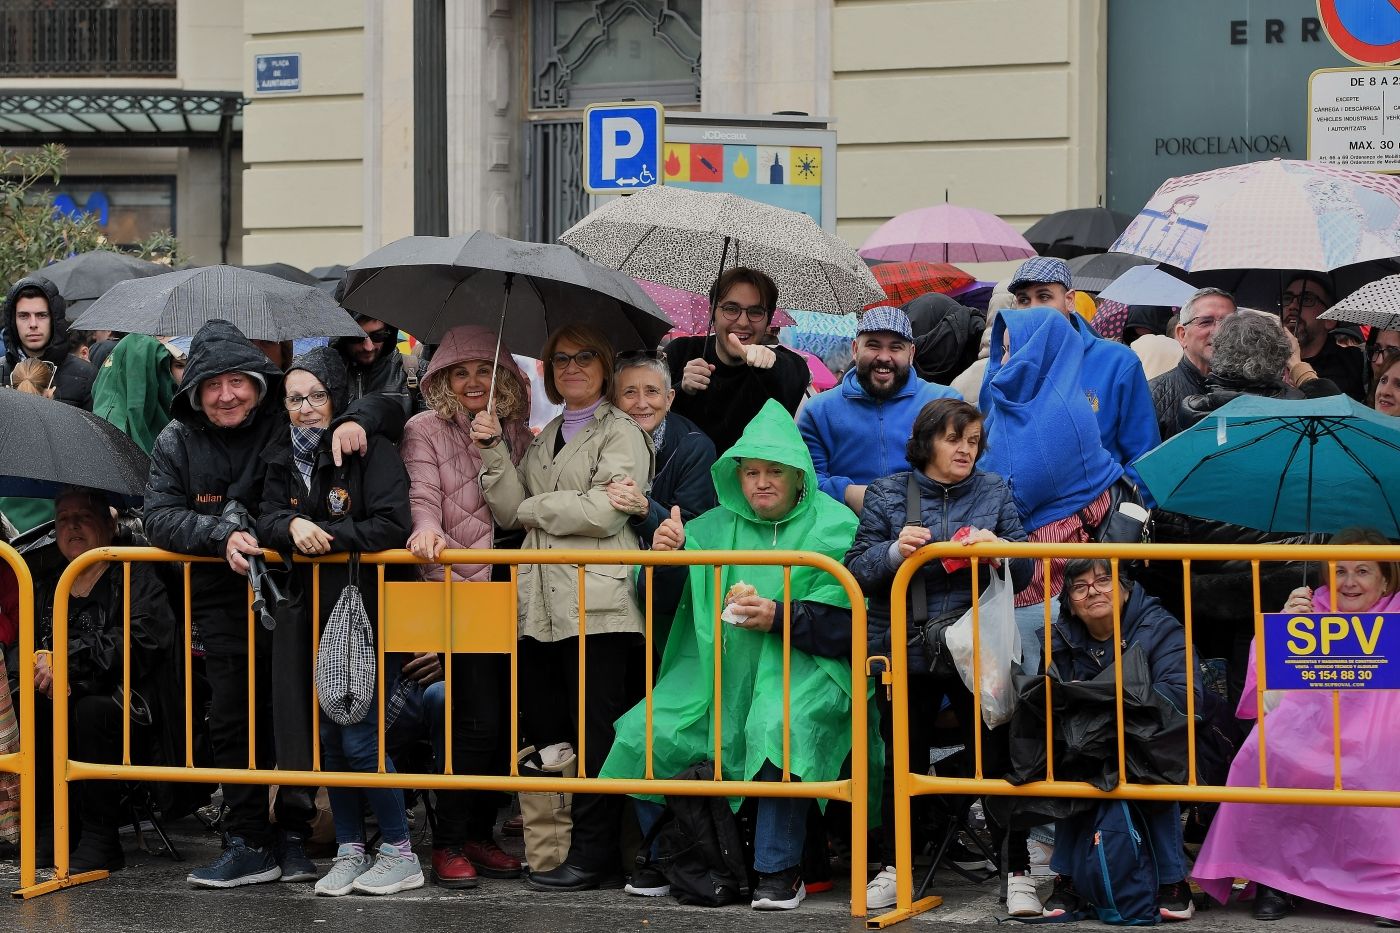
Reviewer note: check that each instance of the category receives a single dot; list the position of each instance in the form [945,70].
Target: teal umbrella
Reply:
[1310,465]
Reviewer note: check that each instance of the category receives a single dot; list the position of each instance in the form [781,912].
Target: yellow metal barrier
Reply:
[470,617]
[22,762]
[908,785]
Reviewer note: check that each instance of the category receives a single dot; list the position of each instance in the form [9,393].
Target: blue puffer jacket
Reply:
[982,500]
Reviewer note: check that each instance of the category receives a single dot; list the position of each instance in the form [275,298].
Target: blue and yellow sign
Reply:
[1332,651]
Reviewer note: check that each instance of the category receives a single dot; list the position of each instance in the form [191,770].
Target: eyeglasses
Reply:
[1204,322]
[1384,352]
[1103,584]
[381,336]
[731,311]
[1303,300]
[632,357]
[584,359]
[317,399]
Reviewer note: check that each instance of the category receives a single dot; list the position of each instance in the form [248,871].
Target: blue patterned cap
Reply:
[885,318]
[1042,269]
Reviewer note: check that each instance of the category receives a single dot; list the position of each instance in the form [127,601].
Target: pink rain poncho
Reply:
[1346,857]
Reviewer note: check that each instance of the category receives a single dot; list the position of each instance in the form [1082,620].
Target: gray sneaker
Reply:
[349,864]
[390,873]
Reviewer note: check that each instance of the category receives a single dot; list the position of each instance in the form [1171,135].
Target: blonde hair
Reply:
[34,377]
[510,396]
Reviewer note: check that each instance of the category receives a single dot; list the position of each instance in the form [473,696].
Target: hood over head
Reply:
[472,342]
[220,348]
[1151,318]
[328,367]
[771,435]
[57,350]
[947,336]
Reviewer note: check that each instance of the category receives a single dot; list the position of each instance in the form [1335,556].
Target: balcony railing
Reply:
[93,38]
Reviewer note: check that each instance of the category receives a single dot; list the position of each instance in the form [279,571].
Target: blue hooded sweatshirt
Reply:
[1114,382]
[857,439]
[1040,429]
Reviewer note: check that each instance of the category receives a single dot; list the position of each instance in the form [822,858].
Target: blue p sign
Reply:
[622,146]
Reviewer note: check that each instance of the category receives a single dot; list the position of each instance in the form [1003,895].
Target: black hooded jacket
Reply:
[947,336]
[196,468]
[73,379]
[385,376]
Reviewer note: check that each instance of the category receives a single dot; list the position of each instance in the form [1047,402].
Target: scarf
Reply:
[658,437]
[305,443]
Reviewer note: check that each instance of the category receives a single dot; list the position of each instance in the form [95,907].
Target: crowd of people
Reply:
[714,442]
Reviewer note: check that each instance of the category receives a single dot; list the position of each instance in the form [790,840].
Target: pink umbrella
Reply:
[822,377]
[946,233]
[691,312]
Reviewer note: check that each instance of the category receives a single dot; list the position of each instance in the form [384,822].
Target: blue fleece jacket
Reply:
[1040,429]
[857,439]
[1114,382]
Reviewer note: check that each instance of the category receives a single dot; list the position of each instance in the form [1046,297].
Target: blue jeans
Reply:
[1163,831]
[779,835]
[356,748]
[1030,622]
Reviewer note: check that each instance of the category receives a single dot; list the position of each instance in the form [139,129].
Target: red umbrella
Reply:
[905,281]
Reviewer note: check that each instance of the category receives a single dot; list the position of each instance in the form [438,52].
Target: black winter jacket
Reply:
[385,376]
[735,393]
[682,477]
[983,500]
[1169,390]
[73,378]
[1220,392]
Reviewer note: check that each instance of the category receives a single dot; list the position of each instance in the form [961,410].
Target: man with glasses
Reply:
[376,365]
[726,376]
[1304,300]
[1195,331]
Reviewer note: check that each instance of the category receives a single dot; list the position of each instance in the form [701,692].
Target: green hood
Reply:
[771,435]
[134,389]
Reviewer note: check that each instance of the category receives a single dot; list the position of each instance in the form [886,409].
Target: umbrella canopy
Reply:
[83,278]
[285,272]
[1375,305]
[1077,232]
[46,445]
[1148,285]
[1277,214]
[178,304]
[1308,465]
[1109,319]
[1096,272]
[684,239]
[427,285]
[689,312]
[946,233]
[905,281]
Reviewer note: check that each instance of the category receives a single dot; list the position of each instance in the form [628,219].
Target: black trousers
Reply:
[480,745]
[549,683]
[247,815]
[94,734]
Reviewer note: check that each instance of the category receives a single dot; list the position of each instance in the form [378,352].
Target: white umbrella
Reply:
[1376,304]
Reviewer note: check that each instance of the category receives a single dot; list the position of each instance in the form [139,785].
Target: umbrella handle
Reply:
[500,330]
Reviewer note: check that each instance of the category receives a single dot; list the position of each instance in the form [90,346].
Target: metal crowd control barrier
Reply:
[466,617]
[22,763]
[908,785]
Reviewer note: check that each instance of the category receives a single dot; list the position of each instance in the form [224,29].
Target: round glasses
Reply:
[317,399]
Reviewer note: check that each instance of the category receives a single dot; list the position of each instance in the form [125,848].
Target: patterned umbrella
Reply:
[1277,214]
[946,233]
[1376,304]
[905,281]
[684,239]
[691,312]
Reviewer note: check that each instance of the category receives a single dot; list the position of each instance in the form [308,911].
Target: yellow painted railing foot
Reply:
[58,884]
[900,913]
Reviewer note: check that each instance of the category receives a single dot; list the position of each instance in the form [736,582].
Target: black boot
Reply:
[99,849]
[1270,903]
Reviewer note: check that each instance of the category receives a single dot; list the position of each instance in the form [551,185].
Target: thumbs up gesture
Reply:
[670,534]
[753,354]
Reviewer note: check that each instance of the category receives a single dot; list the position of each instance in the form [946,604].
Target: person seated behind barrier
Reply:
[944,448]
[1345,857]
[769,500]
[1082,648]
[95,667]
[312,507]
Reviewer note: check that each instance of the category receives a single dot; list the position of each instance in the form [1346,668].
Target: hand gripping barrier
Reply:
[452,616]
[908,785]
[21,762]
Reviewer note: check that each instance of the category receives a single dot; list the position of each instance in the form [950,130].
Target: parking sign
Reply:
[622,145]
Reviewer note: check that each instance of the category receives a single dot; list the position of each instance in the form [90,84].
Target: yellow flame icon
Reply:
[741,167]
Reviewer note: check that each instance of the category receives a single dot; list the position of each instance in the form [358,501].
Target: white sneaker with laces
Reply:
[391,873]
[1021,897]
[350,863]
[880,893]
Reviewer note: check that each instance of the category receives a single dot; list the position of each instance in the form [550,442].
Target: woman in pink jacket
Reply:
[449,511]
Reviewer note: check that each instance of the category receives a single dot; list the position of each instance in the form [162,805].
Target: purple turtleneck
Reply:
[575,419]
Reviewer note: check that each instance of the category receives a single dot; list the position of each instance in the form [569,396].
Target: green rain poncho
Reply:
[133,389]
[752,675]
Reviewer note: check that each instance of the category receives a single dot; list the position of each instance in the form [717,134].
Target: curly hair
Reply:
[1250,347]
[510,396]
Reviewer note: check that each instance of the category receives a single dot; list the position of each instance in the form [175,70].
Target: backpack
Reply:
[1115,868]
[699,848]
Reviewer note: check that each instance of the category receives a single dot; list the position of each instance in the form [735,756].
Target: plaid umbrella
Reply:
[691,312]
[946,233]
[905,281]
[1376,304]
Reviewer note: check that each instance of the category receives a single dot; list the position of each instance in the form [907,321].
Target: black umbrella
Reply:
[83,278]
[46,445]
[262,306]
[1096,271]
[285,272]
[1077,232]
[328,278]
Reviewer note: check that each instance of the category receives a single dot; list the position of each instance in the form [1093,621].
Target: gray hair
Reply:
[1188,310]
[1251,348]
[659,367]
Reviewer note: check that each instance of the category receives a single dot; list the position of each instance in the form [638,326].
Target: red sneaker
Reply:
[451,869]
[490,861]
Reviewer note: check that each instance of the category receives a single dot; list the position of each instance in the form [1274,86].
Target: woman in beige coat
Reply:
[558,494]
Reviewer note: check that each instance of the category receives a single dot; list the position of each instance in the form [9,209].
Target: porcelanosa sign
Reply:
[1195,85]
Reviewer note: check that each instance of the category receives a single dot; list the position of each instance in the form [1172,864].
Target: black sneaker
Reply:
[781,890]
[1174,901]
[1064,899]
[291,857]
[239,864]
[100,849]
[647,881]
[968,860]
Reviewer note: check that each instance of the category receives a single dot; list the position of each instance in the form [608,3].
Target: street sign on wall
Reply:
[622,146]
[1354,118]
[277,74]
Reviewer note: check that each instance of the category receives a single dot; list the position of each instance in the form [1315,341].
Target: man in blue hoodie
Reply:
[1112,376]
[858,430]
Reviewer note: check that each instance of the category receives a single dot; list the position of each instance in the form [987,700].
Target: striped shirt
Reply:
[1068,530]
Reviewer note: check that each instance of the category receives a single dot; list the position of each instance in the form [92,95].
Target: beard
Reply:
[901,376]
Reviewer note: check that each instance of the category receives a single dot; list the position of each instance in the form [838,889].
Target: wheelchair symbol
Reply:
[645,176]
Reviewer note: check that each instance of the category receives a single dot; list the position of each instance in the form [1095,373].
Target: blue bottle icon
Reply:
[775,171]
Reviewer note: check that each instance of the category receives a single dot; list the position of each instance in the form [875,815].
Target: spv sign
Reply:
[1332,651]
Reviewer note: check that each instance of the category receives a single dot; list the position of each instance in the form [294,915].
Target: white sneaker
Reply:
[391,873]
[880,892]
[1021,897]
[350,863]
[1040,853]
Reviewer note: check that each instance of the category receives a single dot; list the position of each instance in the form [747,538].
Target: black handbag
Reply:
[927,635]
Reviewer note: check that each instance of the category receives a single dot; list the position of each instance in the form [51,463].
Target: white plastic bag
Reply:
[1000,644]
